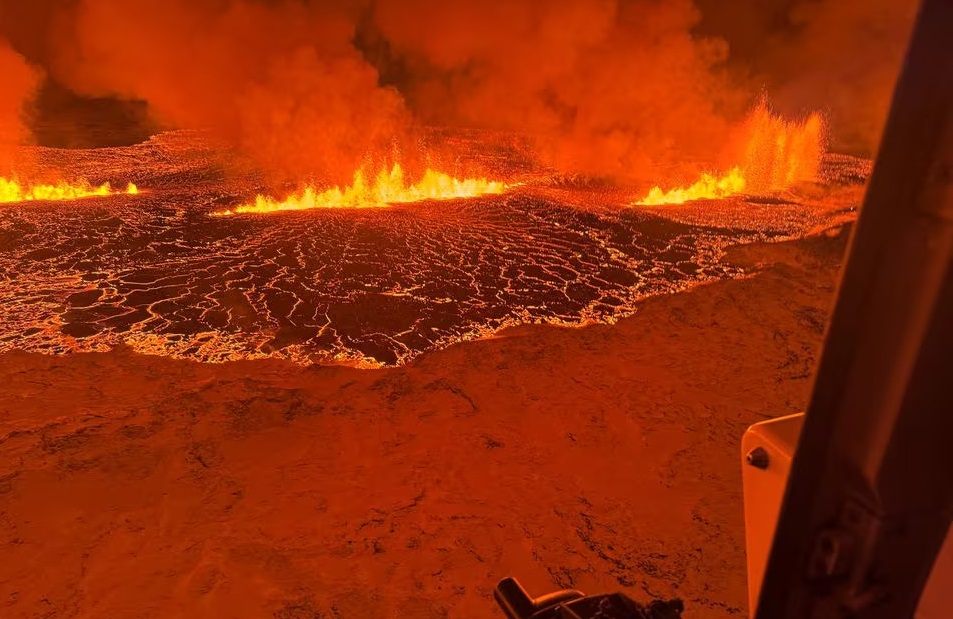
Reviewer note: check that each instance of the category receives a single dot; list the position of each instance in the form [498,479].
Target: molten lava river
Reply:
[173,266]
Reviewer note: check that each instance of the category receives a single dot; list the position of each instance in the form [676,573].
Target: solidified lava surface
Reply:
[370,286]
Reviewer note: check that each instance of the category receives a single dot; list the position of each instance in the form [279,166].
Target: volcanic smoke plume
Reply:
[317,89]
[844,55]
[636,90]
[838,56]
[281,81]
[19,84]
[607,86]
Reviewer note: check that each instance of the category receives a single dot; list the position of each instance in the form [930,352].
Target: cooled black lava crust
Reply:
[377,286]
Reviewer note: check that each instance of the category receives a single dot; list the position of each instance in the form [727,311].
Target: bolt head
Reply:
[758,458]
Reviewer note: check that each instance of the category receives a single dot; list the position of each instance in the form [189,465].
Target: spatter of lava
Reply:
[14,191]
[389,187]
[778,154]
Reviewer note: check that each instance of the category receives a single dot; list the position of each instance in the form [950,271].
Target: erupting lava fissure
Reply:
[777,155]
[14,191]
[389,187]
[709,186]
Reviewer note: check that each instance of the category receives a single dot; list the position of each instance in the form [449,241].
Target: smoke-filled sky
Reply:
[619,88]
[19,81]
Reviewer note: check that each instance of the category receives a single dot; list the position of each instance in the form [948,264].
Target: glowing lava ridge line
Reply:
[389,187]
[13,191]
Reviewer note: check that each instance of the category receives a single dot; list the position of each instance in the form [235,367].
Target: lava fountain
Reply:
[12,190]
[778,154]
[389,187]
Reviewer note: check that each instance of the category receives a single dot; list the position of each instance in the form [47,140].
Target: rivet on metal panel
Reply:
[758,458]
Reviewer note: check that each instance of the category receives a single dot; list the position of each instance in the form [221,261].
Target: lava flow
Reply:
[14,191]
[777,155]
[389,187]
[708,186]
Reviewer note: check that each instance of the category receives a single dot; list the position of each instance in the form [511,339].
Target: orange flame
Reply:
[777,155]
[13,191]
[708,186]
[388,188]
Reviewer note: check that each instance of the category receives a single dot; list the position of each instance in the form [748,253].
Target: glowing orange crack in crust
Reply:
[388,188]
[14,191]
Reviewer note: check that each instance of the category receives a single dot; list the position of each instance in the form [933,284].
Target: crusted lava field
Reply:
[365,287]
[605,458]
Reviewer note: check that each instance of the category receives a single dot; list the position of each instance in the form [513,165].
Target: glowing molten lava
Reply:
[13,191]
[777,155]
[388,188]
[708,186]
